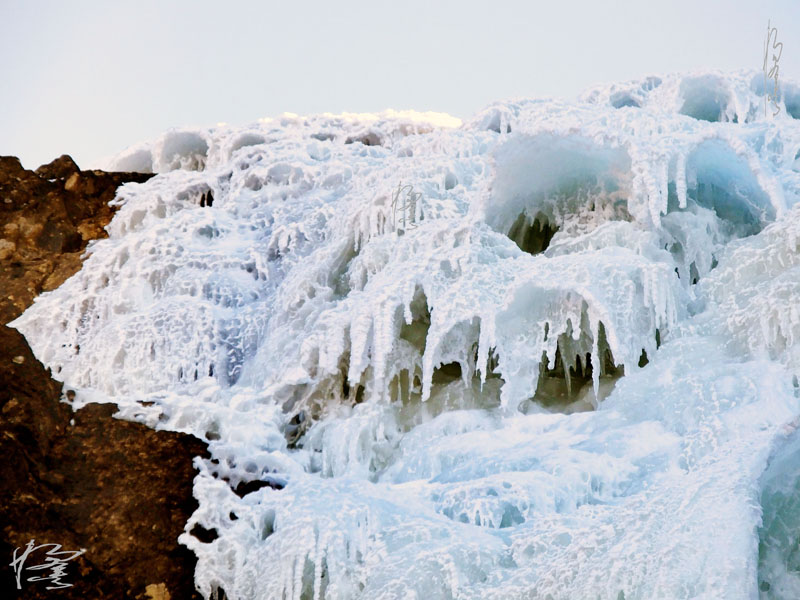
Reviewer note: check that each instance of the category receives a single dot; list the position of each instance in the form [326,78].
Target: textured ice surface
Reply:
[570,372]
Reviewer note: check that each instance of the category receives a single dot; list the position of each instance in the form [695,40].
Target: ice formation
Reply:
[566,369]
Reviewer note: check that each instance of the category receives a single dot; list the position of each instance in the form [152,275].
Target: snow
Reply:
[571,374]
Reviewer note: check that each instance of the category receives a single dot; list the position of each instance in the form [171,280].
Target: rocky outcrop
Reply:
[46,219]
[81,479]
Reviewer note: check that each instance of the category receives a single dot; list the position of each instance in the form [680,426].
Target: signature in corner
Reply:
[56,561]
[407,207]
[772,34]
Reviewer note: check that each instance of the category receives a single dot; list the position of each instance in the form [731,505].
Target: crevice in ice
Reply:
[207,199]
[643,359]
[199,195]
[416,332]
[532,235]
[247,478]
[694,274]
[448,393]
[248,487]
[567,384]
[295,428]
[212,433]
[267,524]
[357,396]
[204,535]
[218,593]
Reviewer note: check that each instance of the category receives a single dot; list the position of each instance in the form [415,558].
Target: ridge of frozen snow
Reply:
[196,148]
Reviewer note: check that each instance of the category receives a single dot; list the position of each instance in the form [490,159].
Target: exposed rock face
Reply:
[46,219]
[80,479]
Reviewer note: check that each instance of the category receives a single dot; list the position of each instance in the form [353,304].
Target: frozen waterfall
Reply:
[549,352]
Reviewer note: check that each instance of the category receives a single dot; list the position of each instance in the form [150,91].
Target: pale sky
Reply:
[89,78]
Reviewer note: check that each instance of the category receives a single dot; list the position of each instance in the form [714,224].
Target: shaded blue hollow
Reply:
[720,180]
[779,534]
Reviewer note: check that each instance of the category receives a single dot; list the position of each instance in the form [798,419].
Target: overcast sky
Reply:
[89,78]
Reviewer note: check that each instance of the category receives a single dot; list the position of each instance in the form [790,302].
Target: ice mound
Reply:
[194,149]
[551,351]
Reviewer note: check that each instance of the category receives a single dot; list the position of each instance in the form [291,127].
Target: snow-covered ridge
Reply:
[196,149]
[570,371]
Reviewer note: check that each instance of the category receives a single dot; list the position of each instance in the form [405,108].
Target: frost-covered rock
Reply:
[401,324]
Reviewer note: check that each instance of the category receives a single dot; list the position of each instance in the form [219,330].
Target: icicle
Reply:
[663,183]
[597,360]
